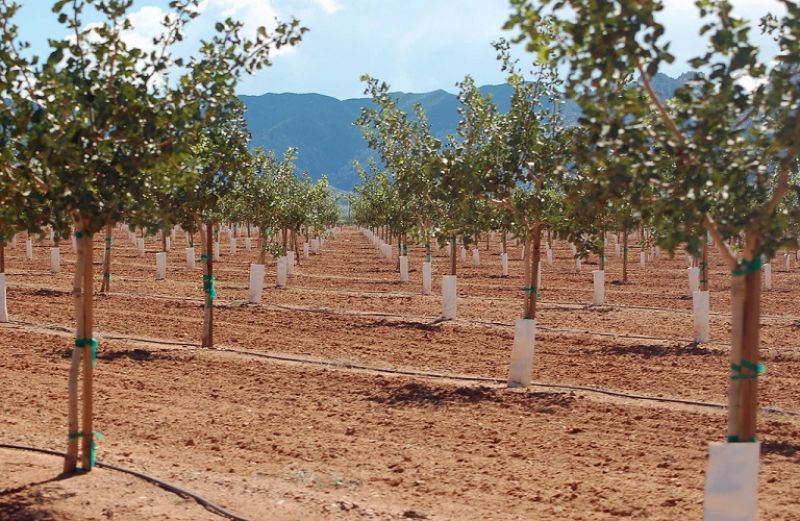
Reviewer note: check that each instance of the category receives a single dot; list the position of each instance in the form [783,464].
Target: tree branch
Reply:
[661,108]
[781,185]
[724,249]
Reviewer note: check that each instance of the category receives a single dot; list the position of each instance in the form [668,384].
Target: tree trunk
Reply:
[87,423]
[399,249]
[262,247]
[296,247]
[71,458]
[285,239]
[744,357]
[164,240]
[532,291]
[453,254]
[82,358]
[602,261]
[208,288]
[504,242]
[526,274]
[2,255]
[750,348]
[704,267]
[106,284]
[625,256]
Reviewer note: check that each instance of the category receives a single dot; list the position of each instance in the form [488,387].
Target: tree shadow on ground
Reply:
[423,326]
[137,355]
[412,394]
[421,394]
[781,448]
[660,350]
[30,502]
[549,399]
[45,292]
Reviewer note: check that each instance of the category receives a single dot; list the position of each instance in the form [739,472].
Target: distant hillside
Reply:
[322,129]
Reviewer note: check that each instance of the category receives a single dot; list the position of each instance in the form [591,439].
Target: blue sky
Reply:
[415,45]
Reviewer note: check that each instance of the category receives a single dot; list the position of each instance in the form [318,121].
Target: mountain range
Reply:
[322,128]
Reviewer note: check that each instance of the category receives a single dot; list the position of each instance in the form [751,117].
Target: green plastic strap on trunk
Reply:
[736,439]
[430,258]
[92,453]
[208,287]
[529,290]
[84,342]
[746,267]
[96,435]
[80,234]
[109,241]
[737,370]
[107,276]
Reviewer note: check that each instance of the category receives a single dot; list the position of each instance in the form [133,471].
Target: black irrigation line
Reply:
[554,304]
[169,487]
[377,314]
[498,381]
[439,376]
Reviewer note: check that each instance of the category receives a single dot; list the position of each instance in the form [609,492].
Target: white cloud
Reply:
[252,12]
[147,24]
[329,6]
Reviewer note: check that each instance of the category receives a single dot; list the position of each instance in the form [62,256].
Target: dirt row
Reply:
[285,441]
[282,440]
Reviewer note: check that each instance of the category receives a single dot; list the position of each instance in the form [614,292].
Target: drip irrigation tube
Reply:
[498,381]
[207,504]
[432,375]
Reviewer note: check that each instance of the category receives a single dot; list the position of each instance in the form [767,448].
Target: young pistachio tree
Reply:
[220,155]
[23,205]
[405,145]
[732,149]
[322,208]
[454,168]
[256,195]
[397,214]
[368,206]
[526,176]
[378,202]
[104,122]
[296,208]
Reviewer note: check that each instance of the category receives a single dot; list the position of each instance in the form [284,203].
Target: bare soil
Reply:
[343,396]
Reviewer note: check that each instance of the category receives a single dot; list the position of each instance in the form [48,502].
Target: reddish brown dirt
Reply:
[274,439]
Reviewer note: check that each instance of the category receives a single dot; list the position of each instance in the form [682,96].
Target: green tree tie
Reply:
[746,267]
[84,342]
[737,370]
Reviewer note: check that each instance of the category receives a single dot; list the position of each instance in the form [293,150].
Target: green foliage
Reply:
[101,126]
[526,164]
[719,158]
[405,146]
